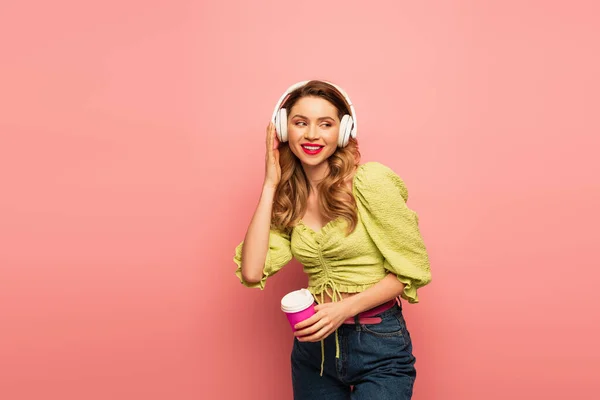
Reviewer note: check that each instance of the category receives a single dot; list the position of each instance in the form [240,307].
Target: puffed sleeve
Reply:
[278,255]
[381,199]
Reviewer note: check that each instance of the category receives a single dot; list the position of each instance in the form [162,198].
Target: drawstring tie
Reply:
[334,295]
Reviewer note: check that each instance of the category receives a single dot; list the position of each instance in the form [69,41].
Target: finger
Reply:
[307,322]
[311,329]
[269,136]
[320,335]
[323,306]
[275,139]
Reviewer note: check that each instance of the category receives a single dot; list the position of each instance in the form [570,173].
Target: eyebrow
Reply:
[318,119]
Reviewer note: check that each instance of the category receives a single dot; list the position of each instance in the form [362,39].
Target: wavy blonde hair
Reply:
[335,198]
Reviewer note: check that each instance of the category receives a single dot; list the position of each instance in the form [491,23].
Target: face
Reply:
[313,129]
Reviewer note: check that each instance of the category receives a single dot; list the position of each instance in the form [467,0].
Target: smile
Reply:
[312,150]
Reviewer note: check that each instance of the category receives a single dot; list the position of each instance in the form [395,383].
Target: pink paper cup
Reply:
[298,306]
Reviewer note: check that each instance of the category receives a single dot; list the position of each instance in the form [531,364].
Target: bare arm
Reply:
[386,289]
[256,241]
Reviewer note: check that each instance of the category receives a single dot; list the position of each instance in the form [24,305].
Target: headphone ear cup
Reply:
[281,125]
[277,129]
[345,129]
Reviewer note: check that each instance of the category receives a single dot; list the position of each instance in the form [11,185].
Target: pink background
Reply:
[131,160]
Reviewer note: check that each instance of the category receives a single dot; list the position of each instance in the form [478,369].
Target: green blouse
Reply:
[386,240]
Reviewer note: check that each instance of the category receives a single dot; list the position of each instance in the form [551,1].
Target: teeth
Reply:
[312,147]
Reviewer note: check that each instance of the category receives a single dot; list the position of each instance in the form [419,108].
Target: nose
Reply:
[312,132]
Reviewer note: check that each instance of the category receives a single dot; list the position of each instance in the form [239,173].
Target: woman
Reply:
[349,226]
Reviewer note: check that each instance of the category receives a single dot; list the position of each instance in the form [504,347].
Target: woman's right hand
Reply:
[272,167]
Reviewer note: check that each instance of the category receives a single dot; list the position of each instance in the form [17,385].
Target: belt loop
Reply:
[357,322]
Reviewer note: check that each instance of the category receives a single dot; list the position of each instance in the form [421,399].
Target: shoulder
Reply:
[377,179]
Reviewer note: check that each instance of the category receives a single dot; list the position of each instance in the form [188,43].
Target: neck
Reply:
[315,174]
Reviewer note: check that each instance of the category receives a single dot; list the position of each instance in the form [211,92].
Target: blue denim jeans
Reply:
[376,359]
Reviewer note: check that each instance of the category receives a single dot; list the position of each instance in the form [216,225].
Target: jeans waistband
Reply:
[373,316]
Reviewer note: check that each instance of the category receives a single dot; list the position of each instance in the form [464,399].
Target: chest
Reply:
[312,217]
[331,243]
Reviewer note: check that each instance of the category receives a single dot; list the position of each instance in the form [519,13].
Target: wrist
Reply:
[269,188]
[352,307]
[268,191]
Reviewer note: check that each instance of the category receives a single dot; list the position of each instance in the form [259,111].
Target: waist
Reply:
[372,316]
[327,298]
[326,291]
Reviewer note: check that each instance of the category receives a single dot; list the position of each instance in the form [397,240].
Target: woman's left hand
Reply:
[328,317]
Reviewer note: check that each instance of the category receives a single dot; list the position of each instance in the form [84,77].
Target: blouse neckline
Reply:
[327,227]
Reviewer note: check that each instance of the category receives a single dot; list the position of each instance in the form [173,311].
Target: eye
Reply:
[327,124]
[299,122]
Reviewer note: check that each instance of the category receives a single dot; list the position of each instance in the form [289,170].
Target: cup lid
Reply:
[297,301]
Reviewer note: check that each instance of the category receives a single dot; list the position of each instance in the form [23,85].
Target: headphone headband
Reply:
[302,83]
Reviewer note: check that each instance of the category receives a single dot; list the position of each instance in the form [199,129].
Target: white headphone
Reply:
[347,124]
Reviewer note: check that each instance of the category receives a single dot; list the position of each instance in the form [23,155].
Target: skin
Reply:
[314,120]
[305,127]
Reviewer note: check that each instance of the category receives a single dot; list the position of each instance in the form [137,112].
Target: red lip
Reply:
[312,152]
